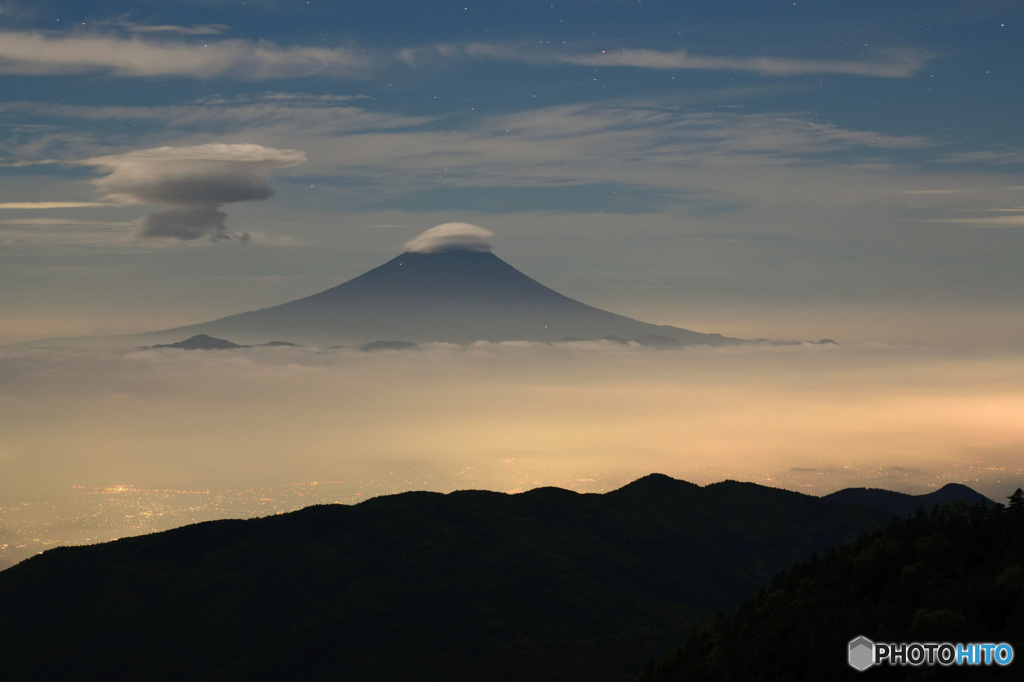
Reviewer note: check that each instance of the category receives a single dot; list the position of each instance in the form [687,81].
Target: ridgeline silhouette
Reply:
[543,585]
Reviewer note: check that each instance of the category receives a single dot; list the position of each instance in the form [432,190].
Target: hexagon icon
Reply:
[862,653]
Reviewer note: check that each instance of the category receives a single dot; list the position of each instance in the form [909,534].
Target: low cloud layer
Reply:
[588,416]
[451,237]
[194,182]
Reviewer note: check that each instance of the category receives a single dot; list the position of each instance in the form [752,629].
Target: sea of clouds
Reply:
[589,416]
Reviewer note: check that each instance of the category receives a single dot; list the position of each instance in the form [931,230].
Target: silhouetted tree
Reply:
[1016,502]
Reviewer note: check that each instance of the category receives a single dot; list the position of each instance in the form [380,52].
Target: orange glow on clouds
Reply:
[213,419]
[508,417]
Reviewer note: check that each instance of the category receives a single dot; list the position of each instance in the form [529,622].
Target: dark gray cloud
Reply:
[220,187]
[188,224]
[194,182]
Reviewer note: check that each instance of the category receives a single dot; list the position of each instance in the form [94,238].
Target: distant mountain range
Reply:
[207,342]
[902,504]
[543,585]
[456,295]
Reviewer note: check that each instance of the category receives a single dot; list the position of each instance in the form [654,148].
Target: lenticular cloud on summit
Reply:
[194,182]
[451,237]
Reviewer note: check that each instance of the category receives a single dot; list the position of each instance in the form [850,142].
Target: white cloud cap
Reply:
[209,173]
[451,237]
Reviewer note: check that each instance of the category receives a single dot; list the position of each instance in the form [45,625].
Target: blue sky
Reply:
[781,169]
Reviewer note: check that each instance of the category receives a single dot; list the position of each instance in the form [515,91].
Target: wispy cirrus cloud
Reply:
[43,205]
[657,146]
[196,30]
[647,154]
[1002,156]
[980,206]
[33,53]
[899,64]
[578,144]
[144,54]
[32,233]
[334,115]
[894,63]
[1011,218]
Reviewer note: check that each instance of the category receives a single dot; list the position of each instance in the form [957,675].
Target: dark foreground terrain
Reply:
[543,585]
[953,575]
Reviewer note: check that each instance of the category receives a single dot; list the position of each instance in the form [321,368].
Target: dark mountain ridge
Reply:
[207,342]
[546,584]
[201,342]
[902,504]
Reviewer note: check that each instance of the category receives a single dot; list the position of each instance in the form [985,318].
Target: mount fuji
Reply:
[458,296]
[447,286]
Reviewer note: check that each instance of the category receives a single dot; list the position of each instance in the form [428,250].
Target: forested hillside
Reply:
[955,575]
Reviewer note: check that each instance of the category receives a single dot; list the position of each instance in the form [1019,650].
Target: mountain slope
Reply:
[456,296]
[547,584]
